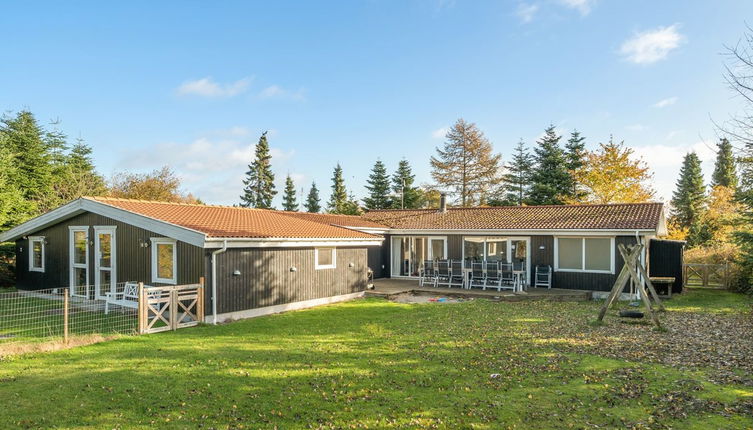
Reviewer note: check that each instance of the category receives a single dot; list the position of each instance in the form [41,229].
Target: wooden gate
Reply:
[705,275]
[170,307]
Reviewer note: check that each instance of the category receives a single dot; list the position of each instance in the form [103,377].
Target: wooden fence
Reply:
[170,307]
[706,275]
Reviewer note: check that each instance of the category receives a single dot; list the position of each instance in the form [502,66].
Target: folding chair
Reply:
[478,278]
[508,278]
[443,274]
[457,274]
[427,273]
[543,277]
[493,276]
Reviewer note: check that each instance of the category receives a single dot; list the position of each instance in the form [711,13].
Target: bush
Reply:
[7,265]
[721,253]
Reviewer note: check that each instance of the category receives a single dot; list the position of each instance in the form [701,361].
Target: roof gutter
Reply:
[214,280]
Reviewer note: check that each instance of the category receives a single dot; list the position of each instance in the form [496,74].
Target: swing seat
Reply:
[631,314]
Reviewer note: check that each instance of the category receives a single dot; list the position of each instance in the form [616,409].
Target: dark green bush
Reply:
[7,265]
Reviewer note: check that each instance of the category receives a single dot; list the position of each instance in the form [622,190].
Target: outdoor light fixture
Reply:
[293,269]
[236,272]
[143,243]
[351,264]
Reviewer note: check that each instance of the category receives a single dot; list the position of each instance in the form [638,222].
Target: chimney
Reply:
[443,202]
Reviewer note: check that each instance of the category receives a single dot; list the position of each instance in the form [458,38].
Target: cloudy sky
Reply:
[193,84]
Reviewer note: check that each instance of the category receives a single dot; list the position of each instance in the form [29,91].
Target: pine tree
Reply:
[575,153]
[689,199]
[466,163]
[78,176]
[515,183]
[289,200]
[14,208]
[260,181]
[550,178]
[725,172]
[406,195]
[24,139]
[339,197]
[378,186]
[313,203]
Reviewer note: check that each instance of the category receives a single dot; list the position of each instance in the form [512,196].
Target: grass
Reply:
[374,364]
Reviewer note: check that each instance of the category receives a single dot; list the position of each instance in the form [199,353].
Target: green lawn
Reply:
[376,364]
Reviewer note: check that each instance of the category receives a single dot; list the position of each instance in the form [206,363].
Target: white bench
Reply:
[128,298]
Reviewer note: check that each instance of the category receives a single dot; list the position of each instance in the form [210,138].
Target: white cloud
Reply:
[665,161]
[207,87]
[635,127]
[526,12]
[665,102]
[582,6]
[651,46]
[210,167]
[440,133]
[278,92]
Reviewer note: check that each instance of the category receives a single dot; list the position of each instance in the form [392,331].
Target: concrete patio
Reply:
[387,287]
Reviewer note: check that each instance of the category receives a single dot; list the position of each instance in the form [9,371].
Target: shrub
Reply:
[721,253]
[7,265]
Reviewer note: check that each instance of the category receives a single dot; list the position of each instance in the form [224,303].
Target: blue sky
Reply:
[193,84]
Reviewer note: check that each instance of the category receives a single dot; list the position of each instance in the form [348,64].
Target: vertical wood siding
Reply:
[266,279]
[133,262]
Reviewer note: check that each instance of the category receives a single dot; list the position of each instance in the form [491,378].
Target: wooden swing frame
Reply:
[631,257]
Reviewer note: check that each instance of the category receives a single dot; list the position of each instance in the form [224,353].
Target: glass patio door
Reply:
[79,262]
[410,252]
[104,261]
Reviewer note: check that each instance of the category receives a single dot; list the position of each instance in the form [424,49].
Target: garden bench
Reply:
[128,298]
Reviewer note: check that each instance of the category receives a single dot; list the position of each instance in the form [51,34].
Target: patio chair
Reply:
[508,278]
[457,274]
[427,273]
[543,277]
[442,274]
[493,276]
[478,278]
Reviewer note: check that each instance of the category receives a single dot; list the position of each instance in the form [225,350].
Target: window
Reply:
[325,258]
[36,254]
[79,257]
[164,260]
[584,254]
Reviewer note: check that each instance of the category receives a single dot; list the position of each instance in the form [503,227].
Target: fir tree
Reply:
[725,172]
[575,153]
[550,179]
[78,176]
[406,195]
[688,200]
[14,208]
[339,197]
[313,203]
[515,183]
[466,163]
[289,201]
[378,186]
[24,139]
[260,181]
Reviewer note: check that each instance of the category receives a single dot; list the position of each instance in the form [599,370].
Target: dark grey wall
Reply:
[266,279]
[376,260]
[133,262]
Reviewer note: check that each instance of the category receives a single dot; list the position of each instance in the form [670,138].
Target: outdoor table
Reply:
[663,280]
[518,280]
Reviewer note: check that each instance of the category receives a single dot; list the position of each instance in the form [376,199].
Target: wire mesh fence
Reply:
[58,315]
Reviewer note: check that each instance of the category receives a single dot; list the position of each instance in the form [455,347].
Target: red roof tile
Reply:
[623,216]
[227,221]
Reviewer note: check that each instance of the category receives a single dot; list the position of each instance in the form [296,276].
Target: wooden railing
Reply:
[706,275]
[170,307]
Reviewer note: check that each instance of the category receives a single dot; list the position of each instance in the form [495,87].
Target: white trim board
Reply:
[289,243]
[276,309]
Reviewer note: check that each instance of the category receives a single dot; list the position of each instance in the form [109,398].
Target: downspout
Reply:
[640,261]
[214,280]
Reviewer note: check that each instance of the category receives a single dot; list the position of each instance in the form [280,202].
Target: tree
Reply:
[515,183]
[466,163]
[289,201]
[24,139]
[159,185]
[339,197]
[612,175]
[723,214]
[406,195]
[14,208]
[689,198]
[550,180]
[313,203]
[378,186]
[725,172]
[260,181]
[575,154]
[78,176]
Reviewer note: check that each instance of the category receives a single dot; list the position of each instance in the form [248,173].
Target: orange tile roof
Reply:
[354,221]
[621,216]
[227,221]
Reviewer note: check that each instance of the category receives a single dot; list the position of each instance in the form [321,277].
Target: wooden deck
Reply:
[391,287]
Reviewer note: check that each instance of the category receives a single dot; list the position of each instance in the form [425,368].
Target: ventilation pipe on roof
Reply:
[214,280]
[443,202]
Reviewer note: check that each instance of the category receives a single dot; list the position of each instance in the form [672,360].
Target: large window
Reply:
[325,258]
[410,252]
[164,261]
[36,253]
[584,254]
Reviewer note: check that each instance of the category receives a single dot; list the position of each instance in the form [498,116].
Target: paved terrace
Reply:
[390,287]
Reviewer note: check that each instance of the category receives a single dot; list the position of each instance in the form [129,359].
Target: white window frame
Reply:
[396,273]
[164,241]
[41,240]
[72,264]
[583,256]
[113,269]
[318,266]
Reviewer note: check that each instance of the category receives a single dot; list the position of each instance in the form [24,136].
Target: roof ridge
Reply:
[202,205]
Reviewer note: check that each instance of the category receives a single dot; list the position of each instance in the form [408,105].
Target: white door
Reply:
[79,261]
[520,255]
[104,261]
